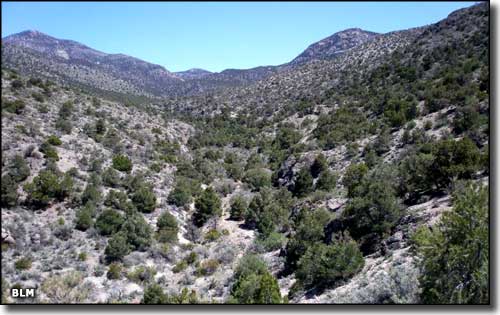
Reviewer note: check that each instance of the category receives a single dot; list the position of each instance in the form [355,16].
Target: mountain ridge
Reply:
[128,73]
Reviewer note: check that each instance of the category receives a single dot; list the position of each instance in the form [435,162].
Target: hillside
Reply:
[356,173]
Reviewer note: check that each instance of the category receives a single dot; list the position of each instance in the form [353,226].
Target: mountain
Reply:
[70,61]
[33,52]
[334,45]
[194,73]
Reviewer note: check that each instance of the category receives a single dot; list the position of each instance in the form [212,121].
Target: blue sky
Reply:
[213,36]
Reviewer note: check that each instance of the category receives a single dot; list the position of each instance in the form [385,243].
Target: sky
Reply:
[213,35]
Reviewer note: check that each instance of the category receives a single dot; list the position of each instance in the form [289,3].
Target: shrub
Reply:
[309,231]
[353,176]
[64,125]
[154,294]
[19,169]
[53,140]
[269,210]
[191,258]
[207,267]
[238,207]
[455,254]
[325,265]
[454,159]
[122,163]
[47,186]
[253,284]
[118,200]
[49,151]
[167,228]
[114,271]
[66,110]
[83,220]
[180,266]
[142,274]
[23,263]
[326,181]
[9,191]
[91,194]
[257,178]
[272,242]
[144,199]
[15,107]
[319,165]
[208,205]
[109,222]
[212,235]
[82,256]
[374,208]
[17,84]
[181,194]
[137,231]
[303,183]
[117,247]
[234,171]
[68,287]
[110,177]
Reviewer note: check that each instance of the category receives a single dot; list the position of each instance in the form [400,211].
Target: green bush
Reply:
[91,194]
[19,169]
[319,165]
[109,222]
[15,107]
[212,235]
[82,256]
[142,274]
[455,253]
[207,267]
[272,242]
[303,183]
[257,178]
[234,171]
[117,247]
[122,163]
[253,284]
[144,199]
[454,159]
[9,191]
[310,229]
[49,151]
[180,266]
[238,207]
[114,271]
[353,176]
[327,181]
[137,231]
[83,219]
[208,205]
[325,265]
[47,186]
[23,263]
[154,294]
[117,199]
[110,177]
[54,140]
[181,195]
[374,208]
[167,228]
[269,210]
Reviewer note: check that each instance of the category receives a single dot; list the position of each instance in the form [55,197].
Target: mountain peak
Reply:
[334,44]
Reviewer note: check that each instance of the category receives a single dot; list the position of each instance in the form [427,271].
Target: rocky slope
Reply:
[359,142]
